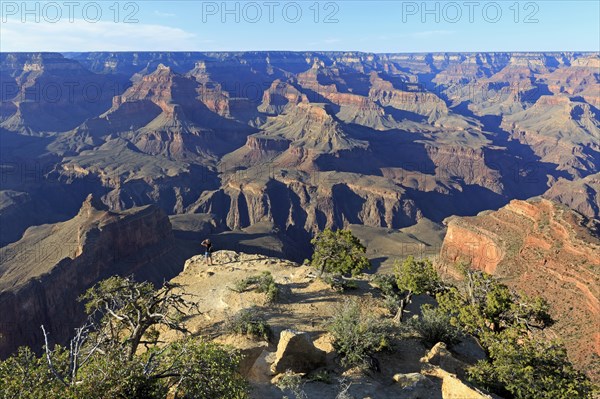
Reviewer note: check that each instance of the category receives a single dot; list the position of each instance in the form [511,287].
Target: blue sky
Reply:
[374,26]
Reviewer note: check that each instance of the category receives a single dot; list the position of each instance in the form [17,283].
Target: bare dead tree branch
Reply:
[49,359]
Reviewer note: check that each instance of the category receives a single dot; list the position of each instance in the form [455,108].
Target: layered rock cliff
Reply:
[397,136]
[583,195]
[46,92]
[43,274]
[561,131]
[291,202]
[542,249]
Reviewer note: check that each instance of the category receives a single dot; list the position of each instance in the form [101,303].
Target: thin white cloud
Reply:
[163,14]
[81,35]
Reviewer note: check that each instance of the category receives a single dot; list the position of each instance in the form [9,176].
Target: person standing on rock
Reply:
[208,251]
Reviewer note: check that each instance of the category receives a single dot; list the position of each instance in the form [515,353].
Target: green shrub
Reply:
[102,359]
[197,369]
[188,368]
[339,284]
[320,376]
[241,285]
[249,322]
[416,276]
[114,376]
[357,333]
[520,365]
[386,283]
[272,293]
[526,368]
[434,326]
[413,277]
[26,376]
[392,304]
[485,306]
[210,371]
[292,383]
[263,283]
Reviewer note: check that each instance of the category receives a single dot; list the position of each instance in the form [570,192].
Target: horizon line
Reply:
[303,51]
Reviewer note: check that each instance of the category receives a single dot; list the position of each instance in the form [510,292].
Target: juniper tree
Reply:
[339,252]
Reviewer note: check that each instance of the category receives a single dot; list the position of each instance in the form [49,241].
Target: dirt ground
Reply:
[305,304]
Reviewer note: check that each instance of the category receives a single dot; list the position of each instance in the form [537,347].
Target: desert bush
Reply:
[392,304]
[519,364]
[266,284]
[527,368]
[27,376]
[209,370]
[320,376]
[102,360]
[241,285]
[249,322]
[434,326]
[187,368]
[357,333]
[386,283]
[484,306]
[291,382]
[339,283]
[263,283]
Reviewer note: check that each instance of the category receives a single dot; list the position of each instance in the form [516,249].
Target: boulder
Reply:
[296,352]
[325,343]
[260,372]
[412,381]
[248,348]
[248,358]
[454,388]
[440,356]
[469,349]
